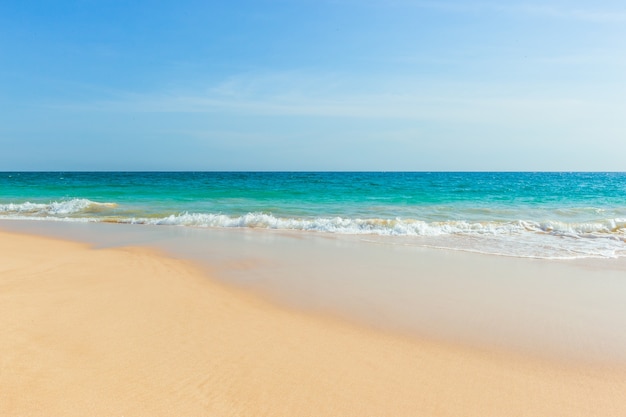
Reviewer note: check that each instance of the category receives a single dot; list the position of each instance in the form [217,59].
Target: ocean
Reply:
[537,215]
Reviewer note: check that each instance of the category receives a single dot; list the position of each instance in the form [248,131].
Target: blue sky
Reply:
[313,85]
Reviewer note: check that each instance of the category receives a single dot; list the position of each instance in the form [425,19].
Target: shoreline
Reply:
[551,309]
[130,331]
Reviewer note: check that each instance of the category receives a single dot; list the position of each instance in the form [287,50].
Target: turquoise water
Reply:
[544,215]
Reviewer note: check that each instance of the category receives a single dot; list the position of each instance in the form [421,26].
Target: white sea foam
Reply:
[541,239]
[393,227]
[55,208]
[550,239]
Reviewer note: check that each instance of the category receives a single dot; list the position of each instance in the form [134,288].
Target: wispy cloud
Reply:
[592,13]
[585,14]
[283,95]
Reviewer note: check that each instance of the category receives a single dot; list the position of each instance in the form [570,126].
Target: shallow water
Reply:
[537,215]
[564,309]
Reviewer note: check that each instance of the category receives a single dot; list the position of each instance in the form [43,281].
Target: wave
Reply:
[107,212]
[55,208]
[609,228]
[542,239]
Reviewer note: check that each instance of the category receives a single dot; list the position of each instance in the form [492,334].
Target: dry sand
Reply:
[130,332]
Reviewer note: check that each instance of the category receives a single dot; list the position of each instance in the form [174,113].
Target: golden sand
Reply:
[130,332]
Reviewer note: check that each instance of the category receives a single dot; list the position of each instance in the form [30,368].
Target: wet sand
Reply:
[130,331]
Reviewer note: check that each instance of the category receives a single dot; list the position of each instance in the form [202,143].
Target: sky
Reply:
[374,85]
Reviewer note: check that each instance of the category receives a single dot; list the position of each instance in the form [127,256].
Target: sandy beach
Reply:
[132,332]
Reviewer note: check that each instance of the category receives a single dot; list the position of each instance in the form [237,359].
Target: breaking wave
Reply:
[389,227]
[541,239]
[55,208]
